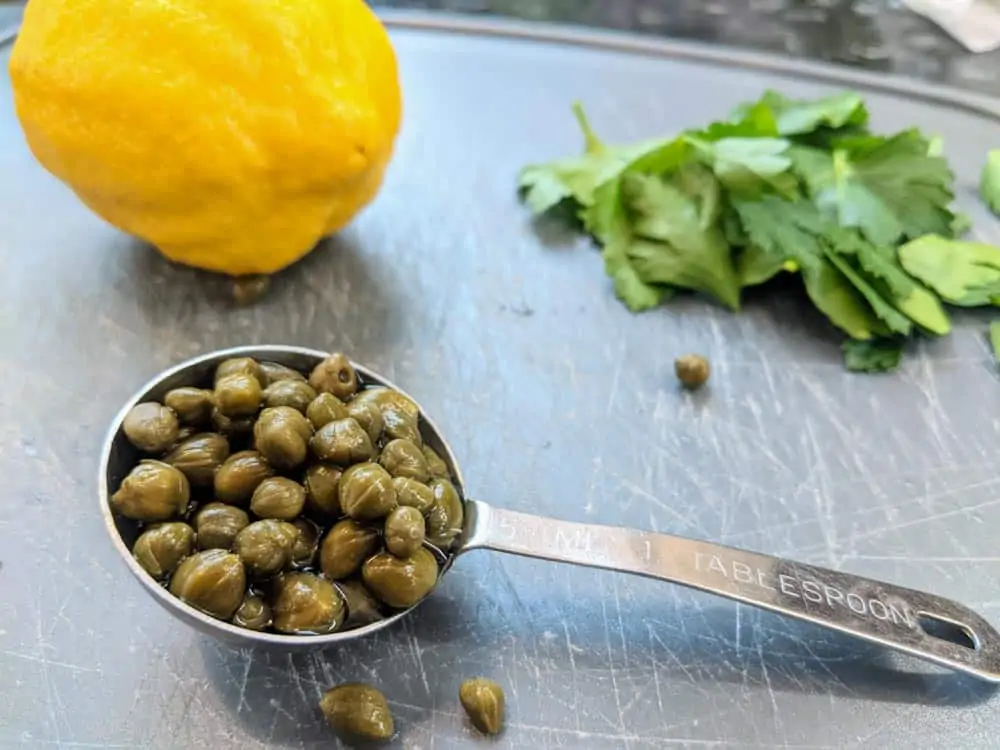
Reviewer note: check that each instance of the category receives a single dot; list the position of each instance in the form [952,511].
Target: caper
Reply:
[335,375]
[238,396]
[401,424]
[342,442]
[399,582]
[402,458]
[404,531]
[239,476]
[366,492]
[446,517]
[152,491]
[272,372]
[193,406]
[278,497]
[692,370]
[160,548]
[265,547]
[253,613]
[483,701]
[385,398]
[199,457]
[360,712]
[306,603]
[325,408]
[345,548]
[322,482]
[239,366]
[362,607]
[436,465]
[413,494]
[250,288]
[232,427]
[218,524]
[282,436]
[293,393]
[150,427]
[368,415]
[306,543]
[213,581]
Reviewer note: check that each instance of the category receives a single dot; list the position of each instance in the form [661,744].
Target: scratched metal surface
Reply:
[557,401]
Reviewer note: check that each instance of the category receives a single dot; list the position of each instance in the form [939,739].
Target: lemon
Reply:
[232,135]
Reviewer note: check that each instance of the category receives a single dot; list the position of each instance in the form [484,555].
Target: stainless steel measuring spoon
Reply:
[914,622]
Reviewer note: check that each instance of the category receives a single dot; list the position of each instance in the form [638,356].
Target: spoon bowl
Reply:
[119,456]
[917,623]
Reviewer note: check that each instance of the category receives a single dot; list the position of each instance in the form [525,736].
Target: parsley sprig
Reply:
[783,186]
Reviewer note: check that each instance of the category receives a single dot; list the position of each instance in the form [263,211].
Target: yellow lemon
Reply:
[232,134]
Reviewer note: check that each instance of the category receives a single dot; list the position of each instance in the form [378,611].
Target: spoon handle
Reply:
[923,625]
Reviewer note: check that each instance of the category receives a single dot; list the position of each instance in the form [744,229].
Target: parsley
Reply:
[989,187]
[966,274]
[801,188]
[881,355]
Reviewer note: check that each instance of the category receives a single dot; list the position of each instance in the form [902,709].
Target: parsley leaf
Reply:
[889,188]
[880,355]
[995,339]
[678,240]
[785,231]
[989,186]
[800,117]
[966,274]
[748,165]
[544,186]
[608,220]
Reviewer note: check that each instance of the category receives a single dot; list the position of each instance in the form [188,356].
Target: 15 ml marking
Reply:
[794,587]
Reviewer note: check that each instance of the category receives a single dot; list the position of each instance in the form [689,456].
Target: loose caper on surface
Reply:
[282,436]
[413,494]
[152,491]
[403,458]
[343,442]
[285,501]
[294,393]
[151,427]
[213,581]
[325,408]
[366,492]
[345,548]
[199,457]
[160,548]
[397,582]
[278,497]
[218,524]
[265,547]
[483,701]
[692,370]
[306,603]
[335,375]
[239,475]
[193,406]
[404,531]
[253,613]
[358,711]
